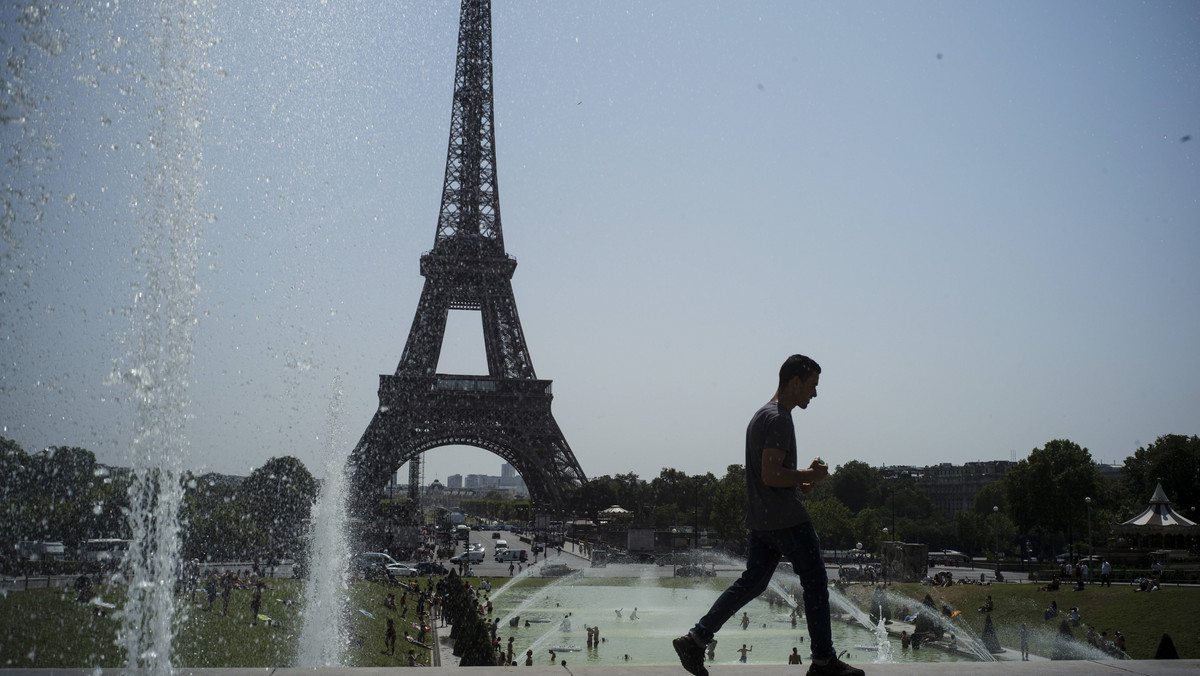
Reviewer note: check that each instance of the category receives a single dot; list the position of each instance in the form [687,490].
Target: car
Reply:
[472,556]
[475,547]
[369,563]
[495,535]
[557,570]
[401,570]
[378,565]
[431,568]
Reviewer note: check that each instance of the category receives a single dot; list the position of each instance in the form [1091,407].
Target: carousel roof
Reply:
[1160,516]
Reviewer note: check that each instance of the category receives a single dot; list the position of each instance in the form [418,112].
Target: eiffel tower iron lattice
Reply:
[506,412]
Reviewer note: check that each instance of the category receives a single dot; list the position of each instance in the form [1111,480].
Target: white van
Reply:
[520,555]
[501,545]
[473,556]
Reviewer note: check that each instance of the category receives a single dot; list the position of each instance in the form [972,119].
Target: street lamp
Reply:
[893,487]
[882,560]
[996,511]
[1091,559]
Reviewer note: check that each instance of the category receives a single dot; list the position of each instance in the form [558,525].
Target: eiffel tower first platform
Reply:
[506,412]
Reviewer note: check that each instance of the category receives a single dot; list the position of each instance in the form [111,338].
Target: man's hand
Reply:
[807,488]
[819,468]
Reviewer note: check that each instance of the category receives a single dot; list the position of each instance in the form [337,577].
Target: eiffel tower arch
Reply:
[507,411]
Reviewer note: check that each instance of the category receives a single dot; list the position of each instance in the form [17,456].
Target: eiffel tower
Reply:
[506,412]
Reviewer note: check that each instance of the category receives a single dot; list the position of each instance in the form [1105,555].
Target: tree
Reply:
[987,520]
[216,522]
[1173,458]
[596,494]
[991,495]
[857,485]
[868,527]
[279,497]
[633,494]
[833,521]
[1046,491]
[106,508]
[682,499]
[671,487]
[728,516]
[910,500]
[17,487]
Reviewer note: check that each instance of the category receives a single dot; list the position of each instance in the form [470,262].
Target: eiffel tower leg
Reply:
[424,344]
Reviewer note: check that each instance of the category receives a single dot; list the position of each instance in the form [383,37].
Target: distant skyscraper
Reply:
[454,481]
[507,471]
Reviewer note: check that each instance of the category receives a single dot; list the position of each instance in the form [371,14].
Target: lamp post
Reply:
[1070,533]
[882,560]
[893,487]
[1091,559]
[996,512]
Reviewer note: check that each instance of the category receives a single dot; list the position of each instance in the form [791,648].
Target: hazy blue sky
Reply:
[981,218]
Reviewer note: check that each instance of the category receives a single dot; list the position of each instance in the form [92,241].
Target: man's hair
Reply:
[797,365]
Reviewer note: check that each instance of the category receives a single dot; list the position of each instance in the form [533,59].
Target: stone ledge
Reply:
[1046,668]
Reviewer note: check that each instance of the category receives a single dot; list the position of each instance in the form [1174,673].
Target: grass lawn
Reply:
[1142,618]
[44,628]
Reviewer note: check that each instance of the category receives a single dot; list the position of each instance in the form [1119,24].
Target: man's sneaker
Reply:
[691,655]
[834,667]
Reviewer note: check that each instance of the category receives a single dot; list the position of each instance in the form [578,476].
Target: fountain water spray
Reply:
[324,636]
[883,647]
[163,317]
[968,640]
[540,595]
[500,592]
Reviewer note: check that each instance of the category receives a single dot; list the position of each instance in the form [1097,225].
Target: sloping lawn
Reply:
[1142,618]
[48,628]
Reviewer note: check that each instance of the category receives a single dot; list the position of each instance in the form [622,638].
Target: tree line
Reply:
[57,495]
[1041,501]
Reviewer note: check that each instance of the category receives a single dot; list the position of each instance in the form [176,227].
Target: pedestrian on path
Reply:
[779,524]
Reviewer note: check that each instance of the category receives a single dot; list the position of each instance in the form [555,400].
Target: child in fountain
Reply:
[780,526]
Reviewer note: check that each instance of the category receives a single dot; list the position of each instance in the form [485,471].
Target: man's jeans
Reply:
[798,544]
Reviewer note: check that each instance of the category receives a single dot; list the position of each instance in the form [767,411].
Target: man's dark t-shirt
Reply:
[770,508]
